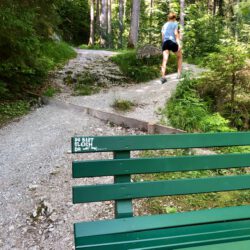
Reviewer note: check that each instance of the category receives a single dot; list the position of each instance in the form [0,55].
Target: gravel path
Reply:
[36,211]
[148,97]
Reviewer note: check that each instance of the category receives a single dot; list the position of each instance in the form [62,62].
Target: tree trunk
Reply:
[209,6]
[182,15]
[97,19]
[109,25]
[221,8]
[214,7]
[233,92]
[237,22]
[121,28]
[151,21]
[92,24]
[103,23]
[134,26]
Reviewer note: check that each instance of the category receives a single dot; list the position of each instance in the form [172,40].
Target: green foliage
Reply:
[187,111]
[215,123]
[202,32]
[50,91]
[74,24]
[26,51]
[57,52]
[123,105]
[142,70]
[228,83]
[10,110]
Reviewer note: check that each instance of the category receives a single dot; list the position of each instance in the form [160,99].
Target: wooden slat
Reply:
[93,168]
[159,188]
[145,223]
[242,243]
[179,241]
[123,208]
[81,144]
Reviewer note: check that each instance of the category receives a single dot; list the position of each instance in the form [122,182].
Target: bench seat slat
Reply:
[145,223]
[83,144]
[121,191]
[95,168]
[242,244]
[205,236]
[203,227]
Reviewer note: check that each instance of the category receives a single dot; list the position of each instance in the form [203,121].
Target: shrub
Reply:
[142,70]
[10,110]
[187,111]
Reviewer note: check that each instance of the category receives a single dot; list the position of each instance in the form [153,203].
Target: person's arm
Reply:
[162,33]
[177,38]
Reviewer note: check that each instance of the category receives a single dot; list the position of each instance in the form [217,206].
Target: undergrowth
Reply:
[188,111]
[142,70]
[180,203]
[14,109]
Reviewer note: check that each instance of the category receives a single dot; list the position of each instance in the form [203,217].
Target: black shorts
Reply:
[170,45]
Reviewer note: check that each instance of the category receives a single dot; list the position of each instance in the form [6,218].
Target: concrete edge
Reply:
[120,120]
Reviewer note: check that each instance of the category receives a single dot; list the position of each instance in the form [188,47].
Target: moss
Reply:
[123,105]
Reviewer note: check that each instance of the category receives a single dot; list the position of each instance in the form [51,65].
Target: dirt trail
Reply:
[148,97]
[36,211]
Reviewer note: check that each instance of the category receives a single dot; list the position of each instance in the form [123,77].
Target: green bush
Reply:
[187,111]
[26,51]
[74,23]
[10,110]
[203,32]
[142,70]
[57,52]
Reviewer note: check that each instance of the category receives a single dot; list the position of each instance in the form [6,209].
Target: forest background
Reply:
[35,37]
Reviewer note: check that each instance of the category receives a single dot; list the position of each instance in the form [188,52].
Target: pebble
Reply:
[33,187]
[50,127]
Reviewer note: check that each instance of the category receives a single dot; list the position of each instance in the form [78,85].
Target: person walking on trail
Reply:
[170,42]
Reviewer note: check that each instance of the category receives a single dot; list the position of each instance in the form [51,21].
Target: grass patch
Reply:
[142,70]
[50,91]
[57,53]
[123,105]
[181,203]
[11,110]
[86,84]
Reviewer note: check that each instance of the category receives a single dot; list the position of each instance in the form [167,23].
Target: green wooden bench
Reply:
[215,228]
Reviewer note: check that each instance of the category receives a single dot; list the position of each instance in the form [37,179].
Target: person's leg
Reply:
[164,62]
[179,60]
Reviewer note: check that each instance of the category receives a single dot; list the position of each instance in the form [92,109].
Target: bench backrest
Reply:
[122,167]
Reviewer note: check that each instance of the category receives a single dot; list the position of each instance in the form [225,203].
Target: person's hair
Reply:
[171,16]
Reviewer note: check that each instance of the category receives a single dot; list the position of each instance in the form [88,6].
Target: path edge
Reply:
[150,127]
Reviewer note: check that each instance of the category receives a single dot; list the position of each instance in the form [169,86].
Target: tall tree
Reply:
[97,19]
[214,7]
[151,20]
[121,26]
[103,23]
[109,17]
[221,3]
[182,15]
[92,23]
[134,25]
